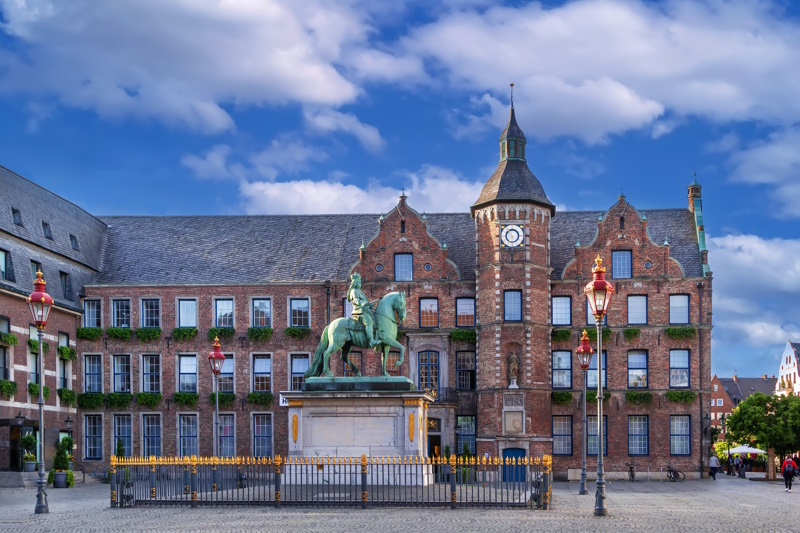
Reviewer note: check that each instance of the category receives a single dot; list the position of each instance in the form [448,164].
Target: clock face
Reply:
[511,236]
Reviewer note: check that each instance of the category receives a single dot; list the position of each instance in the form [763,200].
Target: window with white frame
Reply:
[562,369]
[93,435]
[91,313]
[151,435]
[63,364]
[678,308]
[299,366]
[591,435]
[512,306]
[428,313]
[151,373]
[225,379]
[638,436]
[92,373]
[262,435]
[3,264]
[187,313]
[679,435]
[465,312]
[637,309]
[262,372]
[403,267]
[562,310]
[591,374]
[187,439]
[719,402]
[151,313]
[637,369]
[227,436]
[121,313]
[123,431]
[122,373]
[621,263]
[300,312]
[562,435]
[187,373]
[262,313]
[679,368]
[223,313]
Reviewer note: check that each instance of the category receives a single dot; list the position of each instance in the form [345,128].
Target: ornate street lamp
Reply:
[584,352]
[216,360]
[598,292]
[68,422]
[40,303]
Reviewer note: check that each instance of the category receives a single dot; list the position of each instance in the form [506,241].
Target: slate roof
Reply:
[513,181]
[795,347]
[256,249]
[512,128]
[674,225]
[743,388]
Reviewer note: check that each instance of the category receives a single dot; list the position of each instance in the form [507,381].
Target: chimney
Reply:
[763,376]
[734,377]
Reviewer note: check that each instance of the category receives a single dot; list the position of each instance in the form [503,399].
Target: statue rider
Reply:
[362,308]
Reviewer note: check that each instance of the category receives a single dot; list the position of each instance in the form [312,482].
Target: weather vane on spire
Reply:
[512,94]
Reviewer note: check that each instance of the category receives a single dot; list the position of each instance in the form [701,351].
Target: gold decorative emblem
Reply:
[411,426]
[294,428]
[295,403]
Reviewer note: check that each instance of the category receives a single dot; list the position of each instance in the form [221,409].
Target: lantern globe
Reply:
[599,291]
[216,358]
[39,302]
[584,352]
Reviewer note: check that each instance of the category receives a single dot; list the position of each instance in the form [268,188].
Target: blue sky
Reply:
[272,106]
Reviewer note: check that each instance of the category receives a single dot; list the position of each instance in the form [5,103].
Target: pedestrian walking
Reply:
[713,463]
[788,469]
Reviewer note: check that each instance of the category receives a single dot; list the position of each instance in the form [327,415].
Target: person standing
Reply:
[713,463]
[788,470]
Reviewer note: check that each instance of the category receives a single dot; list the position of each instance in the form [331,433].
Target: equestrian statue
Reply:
[369,328]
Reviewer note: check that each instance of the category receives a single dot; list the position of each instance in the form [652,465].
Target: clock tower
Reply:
[512,229]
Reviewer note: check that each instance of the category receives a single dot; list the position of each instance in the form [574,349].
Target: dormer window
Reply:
[17,216]
[502,150]
[511,149]
[48,234]
[73,241]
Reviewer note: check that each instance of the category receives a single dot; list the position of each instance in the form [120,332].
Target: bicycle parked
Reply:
[631,472]
[673,474]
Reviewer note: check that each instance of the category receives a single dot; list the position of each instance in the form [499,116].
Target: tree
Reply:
[773,421]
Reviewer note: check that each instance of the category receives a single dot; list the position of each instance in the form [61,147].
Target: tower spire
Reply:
[512,95]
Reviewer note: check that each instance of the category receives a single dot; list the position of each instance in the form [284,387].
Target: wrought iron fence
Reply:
[333,481]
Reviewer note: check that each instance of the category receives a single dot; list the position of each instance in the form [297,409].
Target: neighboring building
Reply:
[788,381]
[512,270]
[727,393]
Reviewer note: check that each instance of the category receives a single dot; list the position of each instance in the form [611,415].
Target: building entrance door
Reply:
[513,473]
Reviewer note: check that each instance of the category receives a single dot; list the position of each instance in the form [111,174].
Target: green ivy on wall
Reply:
[33,390]
[188,399]
[560,335]
[67,354]
[148,334]
[297,333]
[226,399]
[591,396]
[631,333]
[89,334]
[592,334]
[685,332]
[259,334]
[222,333]
[681,396]
[123,334]
[148,399]
[562,397]
[118,399]
[464,335]
[9,339]
[90,400]
[638,398]
[183,334]
[34,346]
[8,388]
[258,398]
[67,396]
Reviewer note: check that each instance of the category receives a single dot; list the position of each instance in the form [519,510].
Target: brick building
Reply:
[512,271]
[727,393]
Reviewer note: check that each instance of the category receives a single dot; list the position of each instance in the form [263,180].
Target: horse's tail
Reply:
[315,368]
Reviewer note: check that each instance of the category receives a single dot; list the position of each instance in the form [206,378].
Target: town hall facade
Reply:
[495,307]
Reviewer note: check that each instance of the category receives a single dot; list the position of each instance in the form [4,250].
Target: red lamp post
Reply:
[584,352]
[598,292]
[40,303]
[216,359]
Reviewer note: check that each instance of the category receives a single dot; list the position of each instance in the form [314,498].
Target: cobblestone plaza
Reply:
[727,504]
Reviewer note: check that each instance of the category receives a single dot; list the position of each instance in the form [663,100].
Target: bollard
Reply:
[363,481]
[113,480]
[194,481]
[277,481]
[451,470]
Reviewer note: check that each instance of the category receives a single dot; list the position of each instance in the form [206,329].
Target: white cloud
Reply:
[328,120]
[726,143]
[181,62]
[431,189]
[592,68]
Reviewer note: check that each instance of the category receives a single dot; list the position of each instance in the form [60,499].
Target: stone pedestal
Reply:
[351,423]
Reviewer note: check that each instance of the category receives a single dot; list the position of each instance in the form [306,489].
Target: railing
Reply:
[332,481]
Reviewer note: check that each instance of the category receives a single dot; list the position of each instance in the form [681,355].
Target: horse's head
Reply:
[399,305]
